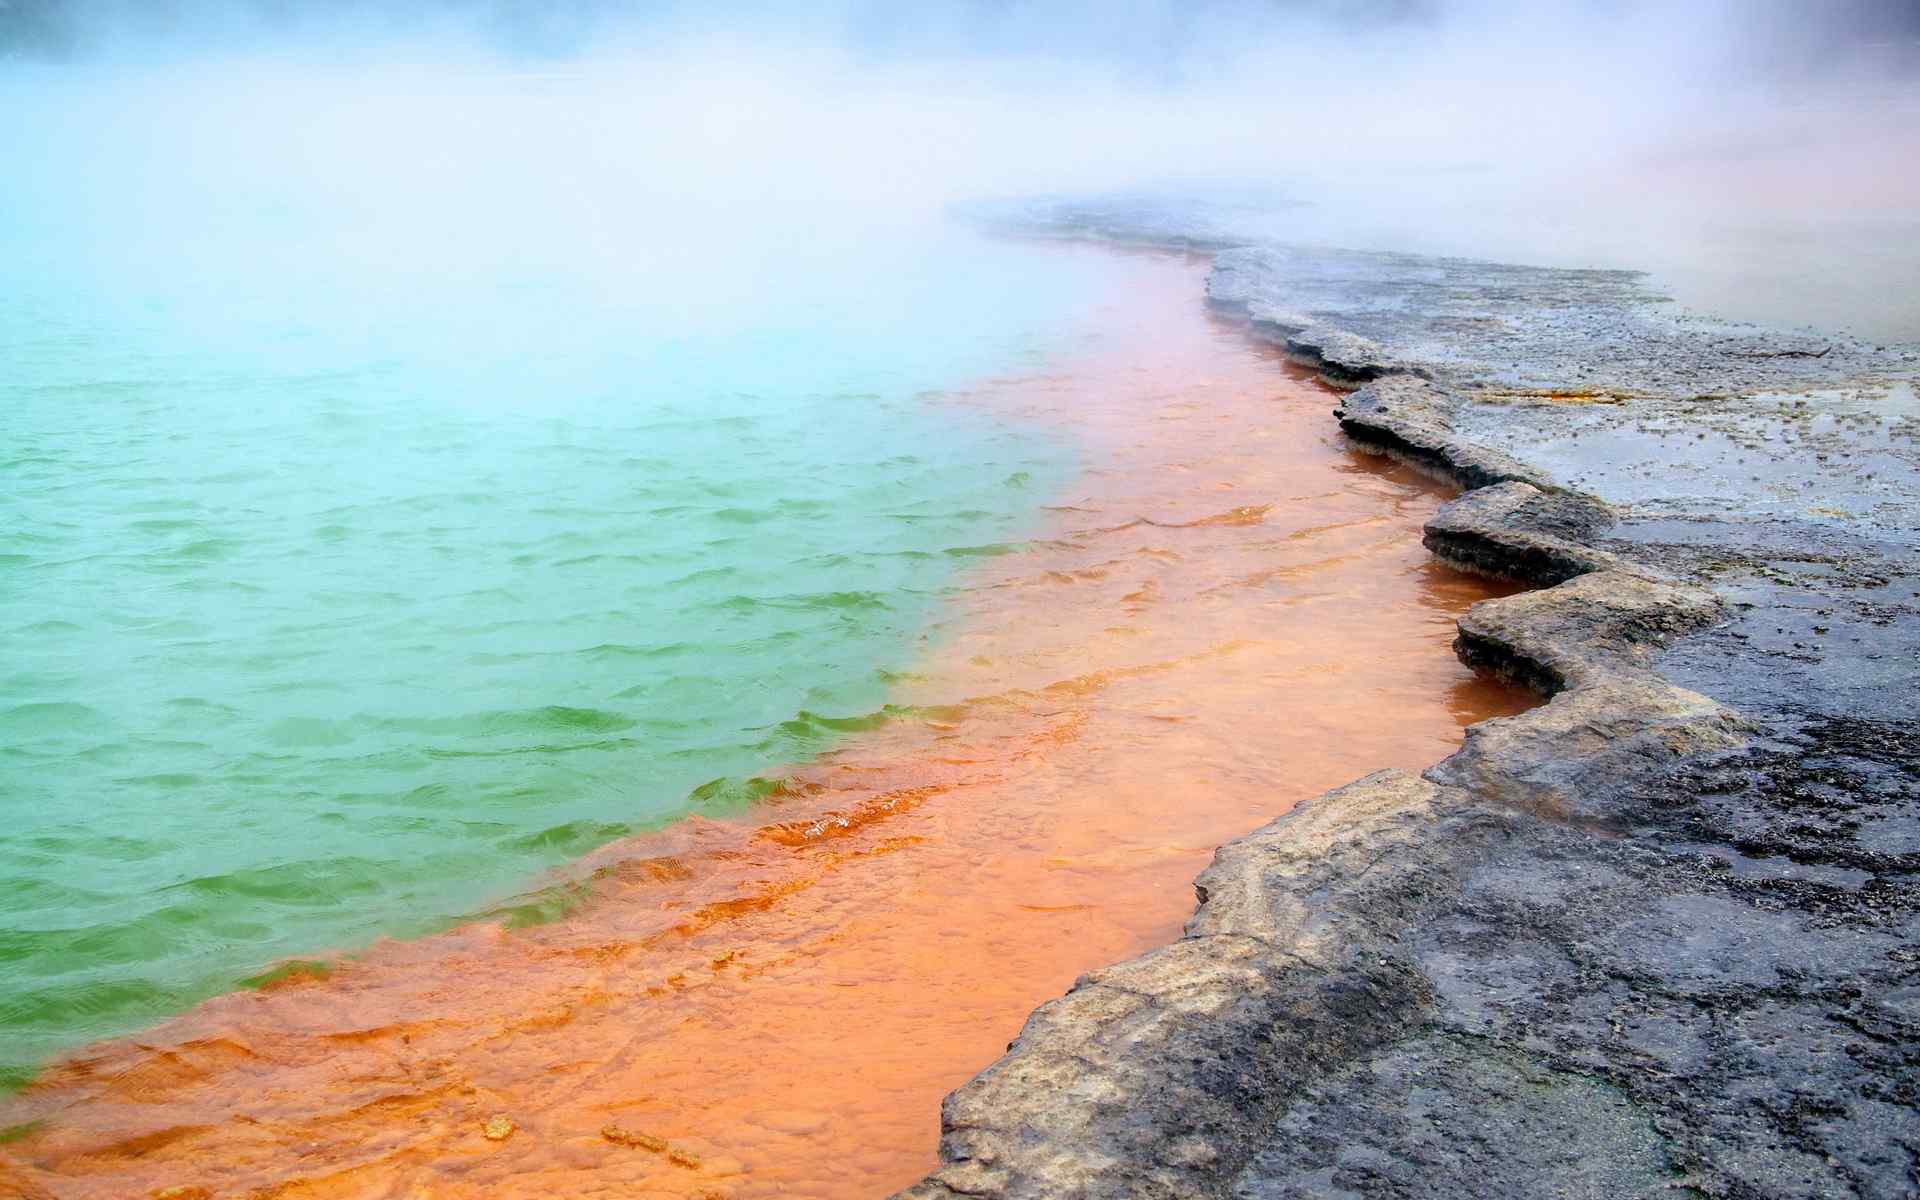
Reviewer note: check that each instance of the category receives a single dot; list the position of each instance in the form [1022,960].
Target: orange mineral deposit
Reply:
[1227,611]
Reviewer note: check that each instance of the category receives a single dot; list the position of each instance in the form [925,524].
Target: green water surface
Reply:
[332,614]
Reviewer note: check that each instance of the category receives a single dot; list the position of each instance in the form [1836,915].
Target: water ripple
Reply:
[299,658]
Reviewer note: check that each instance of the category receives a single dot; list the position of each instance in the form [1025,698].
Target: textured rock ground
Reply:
[1658,936]
[1490,331]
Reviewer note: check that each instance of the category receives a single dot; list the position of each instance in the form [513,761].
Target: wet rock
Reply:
[1488,331]
[633,1139]
[1656,935]
[1412,420]
[1517,531]
[1600,625]
[1446,1115]
[1156,1077]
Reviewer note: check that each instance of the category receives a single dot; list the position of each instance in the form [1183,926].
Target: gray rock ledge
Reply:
[1629,943]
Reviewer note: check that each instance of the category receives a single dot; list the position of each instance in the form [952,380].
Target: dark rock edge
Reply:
[1288,970]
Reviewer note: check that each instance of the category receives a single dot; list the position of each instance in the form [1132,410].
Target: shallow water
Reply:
[318,629]
[1224,612]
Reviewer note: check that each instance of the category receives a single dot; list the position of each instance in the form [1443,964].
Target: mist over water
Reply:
[1758,157]
[436,439]
[316,635]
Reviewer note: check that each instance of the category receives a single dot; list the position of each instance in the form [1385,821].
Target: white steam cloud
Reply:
[736,157]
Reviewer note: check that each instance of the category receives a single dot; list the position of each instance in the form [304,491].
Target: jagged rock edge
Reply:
[1584,640]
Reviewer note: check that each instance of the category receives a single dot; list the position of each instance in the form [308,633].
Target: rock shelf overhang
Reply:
[1561,961]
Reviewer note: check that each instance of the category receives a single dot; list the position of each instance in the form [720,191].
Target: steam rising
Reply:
[1761,154]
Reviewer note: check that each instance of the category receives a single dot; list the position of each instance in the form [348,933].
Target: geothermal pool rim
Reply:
[1296,978]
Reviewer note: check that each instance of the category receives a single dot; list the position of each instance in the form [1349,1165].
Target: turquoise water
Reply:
[341,602]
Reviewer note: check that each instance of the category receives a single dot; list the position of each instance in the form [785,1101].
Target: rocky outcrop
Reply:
[1158,1077]
[1412,420]
[1161,1076]
[1625,943]
[1518,531]
[1488,330]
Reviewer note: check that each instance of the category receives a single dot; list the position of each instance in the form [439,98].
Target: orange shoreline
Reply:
[1229,612]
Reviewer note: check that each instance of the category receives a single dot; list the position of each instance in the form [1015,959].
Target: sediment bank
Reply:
[1654,935]
[1208,627]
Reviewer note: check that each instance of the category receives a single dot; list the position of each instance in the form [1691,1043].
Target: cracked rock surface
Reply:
[1659,936]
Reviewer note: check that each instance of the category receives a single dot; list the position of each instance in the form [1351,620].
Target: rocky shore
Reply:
[1657,936]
